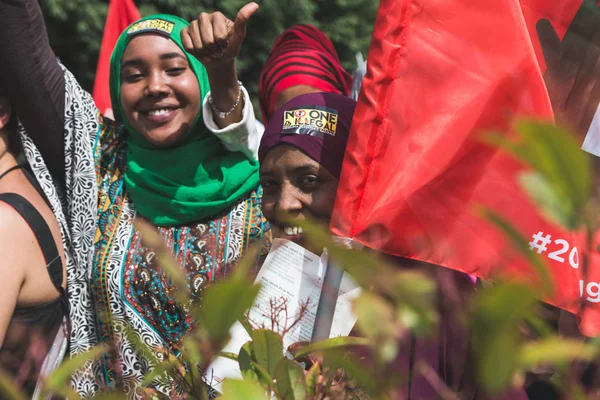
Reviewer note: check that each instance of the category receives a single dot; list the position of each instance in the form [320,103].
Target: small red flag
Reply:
[121,13]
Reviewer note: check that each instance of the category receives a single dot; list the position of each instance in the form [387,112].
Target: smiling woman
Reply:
[298,186]
[301,156]
[181,155]
[160,94]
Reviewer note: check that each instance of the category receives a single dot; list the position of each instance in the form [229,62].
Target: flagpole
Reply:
[327,301]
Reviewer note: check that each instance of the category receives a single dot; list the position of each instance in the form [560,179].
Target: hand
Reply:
[571,74]
[214,39]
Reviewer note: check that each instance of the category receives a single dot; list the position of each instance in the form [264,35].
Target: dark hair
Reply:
[11,131]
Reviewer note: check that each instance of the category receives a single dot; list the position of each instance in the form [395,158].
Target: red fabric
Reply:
[440,75]
[121,13]
[301,55]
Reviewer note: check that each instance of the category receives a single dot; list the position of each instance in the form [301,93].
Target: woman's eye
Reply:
[175,71]
[309,180]
[133,77]
[268,184]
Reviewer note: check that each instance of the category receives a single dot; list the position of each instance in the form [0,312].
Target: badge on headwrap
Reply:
[151,25]
[310,120]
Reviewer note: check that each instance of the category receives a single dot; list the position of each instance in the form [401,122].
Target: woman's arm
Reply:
[227,111]
[243,136]
[215,41]
[32,79]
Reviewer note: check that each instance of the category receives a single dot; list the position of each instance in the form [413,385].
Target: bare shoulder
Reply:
[15,235]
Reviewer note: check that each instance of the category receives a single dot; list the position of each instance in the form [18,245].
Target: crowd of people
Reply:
[184,153]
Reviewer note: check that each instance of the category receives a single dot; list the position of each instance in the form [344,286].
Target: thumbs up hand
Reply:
[215,39]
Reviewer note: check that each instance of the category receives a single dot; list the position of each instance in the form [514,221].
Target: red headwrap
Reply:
[301,55]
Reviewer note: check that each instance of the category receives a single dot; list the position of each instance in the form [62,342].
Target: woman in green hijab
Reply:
[177,156]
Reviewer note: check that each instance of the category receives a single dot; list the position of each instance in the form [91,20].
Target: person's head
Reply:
[302,60]
[301,155]
[156,87]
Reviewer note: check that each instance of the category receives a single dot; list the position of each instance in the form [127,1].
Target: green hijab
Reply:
[195,179]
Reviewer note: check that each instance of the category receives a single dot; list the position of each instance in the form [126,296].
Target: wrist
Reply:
[216,69]
[217,108]
[226,97]
[223,83]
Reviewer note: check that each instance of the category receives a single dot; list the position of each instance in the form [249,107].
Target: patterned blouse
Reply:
[114,280]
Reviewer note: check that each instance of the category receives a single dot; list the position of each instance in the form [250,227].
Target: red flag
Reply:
[121,13]
[441,74]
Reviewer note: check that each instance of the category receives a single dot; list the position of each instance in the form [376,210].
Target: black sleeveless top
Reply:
[32,330]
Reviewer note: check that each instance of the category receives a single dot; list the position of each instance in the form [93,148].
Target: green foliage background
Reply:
[75,28]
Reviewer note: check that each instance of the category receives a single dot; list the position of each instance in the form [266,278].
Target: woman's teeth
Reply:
[160,111]
[292,230]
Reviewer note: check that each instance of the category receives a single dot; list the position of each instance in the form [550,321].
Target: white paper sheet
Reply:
[591,143]
[296,274]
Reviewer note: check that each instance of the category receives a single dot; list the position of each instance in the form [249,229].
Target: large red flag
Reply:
[441,74]
[121,13]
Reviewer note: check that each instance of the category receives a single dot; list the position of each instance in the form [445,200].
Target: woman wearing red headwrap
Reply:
[302,60]
[301,155]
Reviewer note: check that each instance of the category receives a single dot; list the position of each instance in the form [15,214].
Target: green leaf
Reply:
[555,350]
[262,375]
[422,323]
[190,351]
[223,304]
[351,260]
[242,270]
[8,389]
[540,324]
[245,358]
[140,347]
[312,379]
[556,155]
[356,369]
[247,326]
[521,245]
[250,369]
[267,349]
[375,319]
[577,392]
[416,302]
[158,370]
[369,269]
[290,380]
[498,310]
[197,362]
[247,390]
[229,355]
[414,289]
[61,376]
[110,396]
[331,344]
[540,191]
